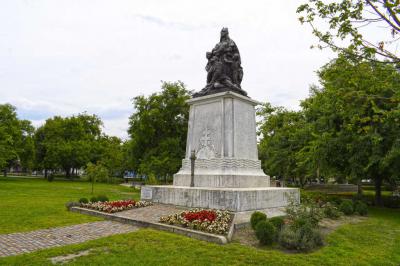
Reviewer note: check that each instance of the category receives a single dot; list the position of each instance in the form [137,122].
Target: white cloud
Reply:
[65,57]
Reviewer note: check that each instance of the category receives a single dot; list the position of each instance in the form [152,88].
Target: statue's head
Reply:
[224,34]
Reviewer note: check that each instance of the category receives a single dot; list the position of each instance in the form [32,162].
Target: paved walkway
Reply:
[18,243]
[150,213]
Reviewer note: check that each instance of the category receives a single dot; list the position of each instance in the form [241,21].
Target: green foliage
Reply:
[303,238]
[102,198]
[67,143]
[97,173]
[158,130]
[152,180]
[361,208]
[83,200]
[347,207]
[391,202]
[304,213]
[284,134]
[265,232]
[110,152]
[347,129]
[16,141]
[331,211]
[94,199]
[335,21]
[278,222]
[256,217]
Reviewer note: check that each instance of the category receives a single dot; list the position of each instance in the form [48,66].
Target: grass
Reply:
[375,241]
[31,204]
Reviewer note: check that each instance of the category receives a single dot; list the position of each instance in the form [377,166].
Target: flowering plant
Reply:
[211,221]
[115,206]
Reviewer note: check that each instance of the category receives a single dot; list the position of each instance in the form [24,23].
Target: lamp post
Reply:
[192,160]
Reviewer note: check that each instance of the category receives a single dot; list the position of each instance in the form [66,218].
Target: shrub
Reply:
[334,200]
[300,222]
[256,217]
[265,232]
[303,238]
[278,222]
[391,201]
[310,212]
[152,180]
[331,211]
[346,207]
[94,199]
[361,208]
[83,200]
[102,198]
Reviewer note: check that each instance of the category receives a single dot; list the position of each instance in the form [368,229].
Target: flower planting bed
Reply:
[115,206]
[210,221]
[150,217]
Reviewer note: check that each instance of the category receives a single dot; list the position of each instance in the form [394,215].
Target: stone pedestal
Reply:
[222,131]
[228,174]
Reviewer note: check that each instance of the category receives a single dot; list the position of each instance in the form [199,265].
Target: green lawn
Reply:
[30,204]
[375,241]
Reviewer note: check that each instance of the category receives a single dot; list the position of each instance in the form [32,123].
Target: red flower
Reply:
[200,215]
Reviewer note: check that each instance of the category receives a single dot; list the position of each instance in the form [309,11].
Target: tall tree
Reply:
[158,129]
[356,113]
[283,136]
[16,143]
[110,153]
[361,28]
[67,143]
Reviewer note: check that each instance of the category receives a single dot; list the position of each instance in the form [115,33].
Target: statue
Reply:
[224,70]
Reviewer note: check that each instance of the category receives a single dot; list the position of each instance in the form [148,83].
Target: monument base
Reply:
[233,199]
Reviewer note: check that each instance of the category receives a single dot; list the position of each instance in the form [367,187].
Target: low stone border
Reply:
[159,226]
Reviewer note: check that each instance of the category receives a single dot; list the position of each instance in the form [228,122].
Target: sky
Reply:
[66,57]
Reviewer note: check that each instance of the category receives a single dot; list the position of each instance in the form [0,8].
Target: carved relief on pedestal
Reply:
[206,147]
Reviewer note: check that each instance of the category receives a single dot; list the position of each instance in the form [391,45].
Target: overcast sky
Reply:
[66,57]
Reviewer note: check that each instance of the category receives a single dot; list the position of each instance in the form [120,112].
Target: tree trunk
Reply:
[301,180]
[45,173]
[68,172]
[378,191]
[359,188]
[5,172]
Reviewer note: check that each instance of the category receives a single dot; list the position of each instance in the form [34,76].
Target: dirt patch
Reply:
[329,225]
[69,257]
[246,236]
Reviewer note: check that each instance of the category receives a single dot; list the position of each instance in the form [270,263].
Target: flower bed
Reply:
[210,221]
[115,206]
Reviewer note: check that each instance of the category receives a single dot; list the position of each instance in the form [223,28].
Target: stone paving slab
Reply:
[150,213]
[18,243]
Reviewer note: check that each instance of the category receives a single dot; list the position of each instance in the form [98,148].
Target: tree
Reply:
[284,134]
[110,153]
[16,144]
[356,114]
[360,28]
[158,129]
[96,173]
[67,143]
